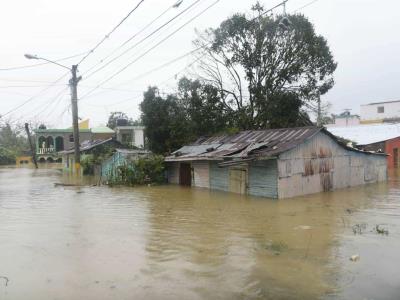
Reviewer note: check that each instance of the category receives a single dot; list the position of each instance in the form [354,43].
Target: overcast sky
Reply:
[362,34]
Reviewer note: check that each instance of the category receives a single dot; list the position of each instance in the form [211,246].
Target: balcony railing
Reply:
[46,150]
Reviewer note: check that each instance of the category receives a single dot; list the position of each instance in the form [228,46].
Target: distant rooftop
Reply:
[101,129]
[367,134]
[383,102]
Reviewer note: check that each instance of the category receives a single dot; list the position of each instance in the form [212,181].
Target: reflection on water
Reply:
[178,243]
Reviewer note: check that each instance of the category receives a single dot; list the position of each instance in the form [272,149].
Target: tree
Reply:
[166,124]
[204,110]
[12,143]
[260,65]
[117,115]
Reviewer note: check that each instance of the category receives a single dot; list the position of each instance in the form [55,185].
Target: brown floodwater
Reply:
[171,242]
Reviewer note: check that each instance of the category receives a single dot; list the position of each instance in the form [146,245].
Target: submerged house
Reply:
[275,163]
[384,138]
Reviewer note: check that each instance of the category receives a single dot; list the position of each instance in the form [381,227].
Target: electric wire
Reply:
[111,32]
[143,39]
[33,97]
[132,37]
[152,48]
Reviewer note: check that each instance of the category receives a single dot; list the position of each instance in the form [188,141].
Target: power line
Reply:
[111,32]
[152,48]
[33,97]
[41,64]
[143,39]
[132,37]
[306,5]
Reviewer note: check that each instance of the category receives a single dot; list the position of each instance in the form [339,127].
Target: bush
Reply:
[141,171]
[6,157]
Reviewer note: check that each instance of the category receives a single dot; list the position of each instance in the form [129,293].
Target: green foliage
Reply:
[12,143]
[274,65]
[142,171]
[87,163]
[95,157]
[116,115]
[166,123]
[6,157]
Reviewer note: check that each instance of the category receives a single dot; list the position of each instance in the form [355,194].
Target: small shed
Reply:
[109,168]
[274,163]
[384,138]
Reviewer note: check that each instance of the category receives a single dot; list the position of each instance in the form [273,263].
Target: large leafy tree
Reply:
[266,68]
[205,112]
[165,121]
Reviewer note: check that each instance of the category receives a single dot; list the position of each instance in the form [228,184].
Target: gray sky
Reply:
[362,35]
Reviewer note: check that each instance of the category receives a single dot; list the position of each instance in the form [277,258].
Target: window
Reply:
[71,138]
[381,109]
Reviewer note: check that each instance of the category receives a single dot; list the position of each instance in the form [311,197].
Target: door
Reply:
[238,181]
[185,174]
[396,157]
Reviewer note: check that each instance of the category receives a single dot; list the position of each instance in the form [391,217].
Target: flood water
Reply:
[170,242]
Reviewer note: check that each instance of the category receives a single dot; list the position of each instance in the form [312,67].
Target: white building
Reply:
[132,135]
[345,119]
[380,111]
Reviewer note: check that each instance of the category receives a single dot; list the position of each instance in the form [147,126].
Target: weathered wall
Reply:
[263,178]
[201,171]
[390,145]
[173,172]
[320,164]
[219,177]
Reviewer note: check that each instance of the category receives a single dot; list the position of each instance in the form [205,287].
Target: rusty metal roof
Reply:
[248,143]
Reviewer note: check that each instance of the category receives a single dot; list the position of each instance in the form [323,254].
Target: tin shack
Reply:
[274,163]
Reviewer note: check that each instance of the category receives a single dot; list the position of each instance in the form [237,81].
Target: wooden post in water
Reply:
[31,145]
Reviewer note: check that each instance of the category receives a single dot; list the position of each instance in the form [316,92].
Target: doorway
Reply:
[238,181]
[185,174]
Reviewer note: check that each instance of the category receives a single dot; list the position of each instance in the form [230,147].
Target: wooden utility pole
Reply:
[74,104]
[33,150]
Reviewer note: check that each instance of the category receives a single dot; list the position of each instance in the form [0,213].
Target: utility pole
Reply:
[74,104]
[31,145]
[319,113]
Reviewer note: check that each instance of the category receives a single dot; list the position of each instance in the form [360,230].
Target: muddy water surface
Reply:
[178,243]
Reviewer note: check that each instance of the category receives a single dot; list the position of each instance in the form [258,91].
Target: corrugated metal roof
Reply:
[367,134]
[249,144]
[243,144]
[88,145]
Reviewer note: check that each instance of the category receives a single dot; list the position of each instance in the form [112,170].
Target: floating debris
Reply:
[303,227]
[5,278]
[359,228]
[355,257]
[381,230]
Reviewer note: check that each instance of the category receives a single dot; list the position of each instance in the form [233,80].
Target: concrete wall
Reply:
[320,164]
[369,112]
